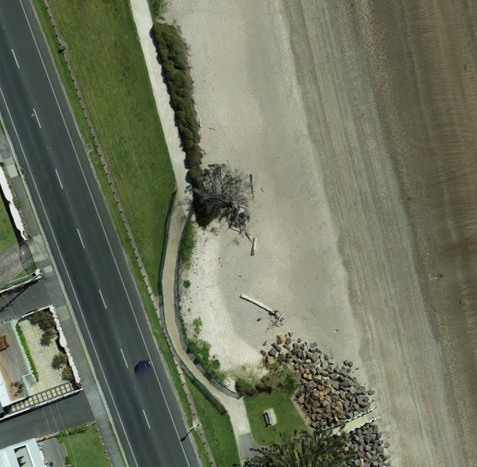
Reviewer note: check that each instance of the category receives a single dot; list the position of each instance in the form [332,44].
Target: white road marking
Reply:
[15,57]
[124,358]
[102,298]
[79,235]
[59,180]
[147,421]
[36,116]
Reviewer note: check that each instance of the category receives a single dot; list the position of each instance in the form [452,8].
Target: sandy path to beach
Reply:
[283,91]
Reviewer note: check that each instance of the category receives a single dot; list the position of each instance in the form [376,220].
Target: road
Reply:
[85,246]
[46,420]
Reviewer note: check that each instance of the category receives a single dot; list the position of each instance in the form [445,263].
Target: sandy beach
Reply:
[363,208]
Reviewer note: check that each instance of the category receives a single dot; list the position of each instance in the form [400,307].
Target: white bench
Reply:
[270,417]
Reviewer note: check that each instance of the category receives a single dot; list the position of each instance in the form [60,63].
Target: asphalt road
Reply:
[85,245]
[46,420]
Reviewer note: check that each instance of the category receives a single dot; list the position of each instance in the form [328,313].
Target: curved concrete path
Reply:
[235,408]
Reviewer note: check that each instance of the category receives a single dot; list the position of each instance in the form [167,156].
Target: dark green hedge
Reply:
[172,55]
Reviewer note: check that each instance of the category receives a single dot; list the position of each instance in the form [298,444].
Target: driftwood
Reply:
[276,318]
[254,246]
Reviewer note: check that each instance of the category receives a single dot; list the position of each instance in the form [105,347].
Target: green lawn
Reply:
[109,64]
[85,449]
[7,235]
[288,418]
[218,430]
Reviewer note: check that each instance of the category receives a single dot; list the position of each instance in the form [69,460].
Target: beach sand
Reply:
[363,207]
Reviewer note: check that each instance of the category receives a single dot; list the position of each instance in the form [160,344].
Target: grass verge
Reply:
[288,418]
[27,351]
[188,244]
[7,235]
[218,429]
[83,447]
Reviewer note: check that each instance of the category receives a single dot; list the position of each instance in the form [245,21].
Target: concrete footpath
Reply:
[235,407]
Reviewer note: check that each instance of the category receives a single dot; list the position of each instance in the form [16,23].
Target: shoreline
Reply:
[295,101]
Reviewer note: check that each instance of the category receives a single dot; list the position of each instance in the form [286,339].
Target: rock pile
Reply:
[367,442]
[329,395]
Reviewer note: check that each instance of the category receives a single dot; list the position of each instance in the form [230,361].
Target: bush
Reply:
[59,360]
[67,374]
[43,319]
[47,337]
[245,387]
[201,350]
[279,377]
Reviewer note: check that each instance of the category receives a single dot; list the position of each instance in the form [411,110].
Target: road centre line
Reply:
[147,421]
[36,116]
[124,358]
[81,240]
[102,298]
[109,245]
[15,57]
[59,180]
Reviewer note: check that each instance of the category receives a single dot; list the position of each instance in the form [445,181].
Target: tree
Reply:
[304,449]
[223,193]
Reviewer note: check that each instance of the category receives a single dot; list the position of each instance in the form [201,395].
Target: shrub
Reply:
[67,374]
[279,377]
[43,319]
[197,326]
[201,350]
[245,387]
[59,360]
[47,337]
[186,284]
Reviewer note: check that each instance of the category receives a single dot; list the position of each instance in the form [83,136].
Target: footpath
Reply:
[235,407]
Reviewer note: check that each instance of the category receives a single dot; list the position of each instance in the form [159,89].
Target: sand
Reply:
[326,104]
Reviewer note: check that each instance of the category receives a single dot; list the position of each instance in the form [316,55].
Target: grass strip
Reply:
[83,447]
[7,235]
[288,417]
[27,350]
[218,429]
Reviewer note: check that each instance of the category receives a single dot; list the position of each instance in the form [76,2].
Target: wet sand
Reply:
[357,121]
[423,62]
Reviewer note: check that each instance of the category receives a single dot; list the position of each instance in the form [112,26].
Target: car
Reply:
[142,365]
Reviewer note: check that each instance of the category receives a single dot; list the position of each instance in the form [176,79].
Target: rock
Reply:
[371,392]
[281,339]
[273,352]
[301,399]
[271,360]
